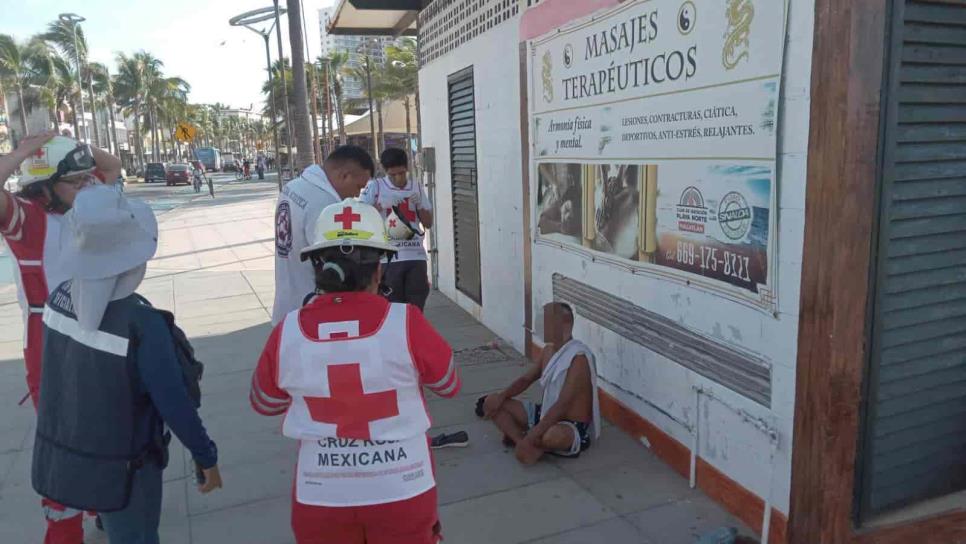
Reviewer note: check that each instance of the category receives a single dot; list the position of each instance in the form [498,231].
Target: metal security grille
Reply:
[915,407]
[744,373]
[466,211]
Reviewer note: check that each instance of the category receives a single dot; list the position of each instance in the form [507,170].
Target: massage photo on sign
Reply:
[560,200]
[617,204]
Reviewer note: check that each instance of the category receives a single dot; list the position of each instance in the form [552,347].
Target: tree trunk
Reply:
[409,132]
[90,89]
[23,113]
[316,149]
[382,131]
[73,116]
[164,140]
[300,121]
[138,141]
[341,115]
[113,138]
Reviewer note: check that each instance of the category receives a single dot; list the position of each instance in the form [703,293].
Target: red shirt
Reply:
[431,354]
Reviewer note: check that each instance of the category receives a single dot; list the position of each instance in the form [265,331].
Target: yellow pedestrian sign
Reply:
[185,132]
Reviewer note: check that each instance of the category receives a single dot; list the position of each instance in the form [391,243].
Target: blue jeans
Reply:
[138,523]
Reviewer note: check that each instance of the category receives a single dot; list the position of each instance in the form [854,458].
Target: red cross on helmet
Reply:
[349,223]
[60,157]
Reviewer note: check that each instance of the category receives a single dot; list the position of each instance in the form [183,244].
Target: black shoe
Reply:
[479,406]
[456,440]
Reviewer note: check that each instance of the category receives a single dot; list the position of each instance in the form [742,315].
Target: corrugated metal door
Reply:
[466,211]
[914,444]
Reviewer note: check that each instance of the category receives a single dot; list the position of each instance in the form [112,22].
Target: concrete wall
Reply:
[497,86]
[727,441]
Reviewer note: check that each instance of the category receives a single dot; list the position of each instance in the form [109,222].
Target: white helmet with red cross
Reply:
[58,158]
[348,224]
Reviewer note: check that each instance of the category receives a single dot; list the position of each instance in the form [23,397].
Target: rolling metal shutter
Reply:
[914,444]
[466,212]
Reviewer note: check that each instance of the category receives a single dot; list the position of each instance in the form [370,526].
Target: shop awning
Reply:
[393,120]
[376,17]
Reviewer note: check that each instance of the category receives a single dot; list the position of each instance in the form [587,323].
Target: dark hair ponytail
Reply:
[338,272]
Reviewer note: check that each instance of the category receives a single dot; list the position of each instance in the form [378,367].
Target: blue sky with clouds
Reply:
[192,37]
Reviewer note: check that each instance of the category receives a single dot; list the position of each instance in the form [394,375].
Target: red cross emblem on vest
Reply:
[348,218]
[350,408]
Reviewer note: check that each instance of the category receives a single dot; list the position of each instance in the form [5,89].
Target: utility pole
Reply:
[288,114]
[372,112]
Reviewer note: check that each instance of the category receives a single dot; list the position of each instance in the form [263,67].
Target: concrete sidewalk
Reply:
[215,270]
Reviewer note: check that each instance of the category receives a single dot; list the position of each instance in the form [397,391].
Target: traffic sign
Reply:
[185,132]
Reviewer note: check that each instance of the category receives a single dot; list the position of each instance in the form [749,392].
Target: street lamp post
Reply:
[246,20]
[73,19]
[281,62]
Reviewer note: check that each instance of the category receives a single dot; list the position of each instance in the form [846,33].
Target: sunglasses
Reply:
[77,160]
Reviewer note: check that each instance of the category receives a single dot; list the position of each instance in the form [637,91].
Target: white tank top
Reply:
[358,410]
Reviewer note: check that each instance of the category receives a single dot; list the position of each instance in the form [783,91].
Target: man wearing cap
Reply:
[343,175]
[111,378]
[54,168]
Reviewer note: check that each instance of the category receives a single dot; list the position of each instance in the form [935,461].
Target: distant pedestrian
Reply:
[113,376]
[343,174]
[260,167]
[348,372]
[406,207]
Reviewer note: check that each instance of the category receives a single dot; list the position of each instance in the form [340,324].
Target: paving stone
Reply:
[522,514]
[262,522]
[466,477]
[682,522]
[635,485]
[268,478]
[612,531]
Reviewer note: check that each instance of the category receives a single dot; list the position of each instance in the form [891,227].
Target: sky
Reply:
[222,63]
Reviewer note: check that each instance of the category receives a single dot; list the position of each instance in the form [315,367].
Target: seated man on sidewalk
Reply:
[569,417]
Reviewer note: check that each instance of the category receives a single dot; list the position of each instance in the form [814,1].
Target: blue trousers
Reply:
[138,523]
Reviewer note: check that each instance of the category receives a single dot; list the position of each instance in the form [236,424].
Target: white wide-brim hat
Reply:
[107,235]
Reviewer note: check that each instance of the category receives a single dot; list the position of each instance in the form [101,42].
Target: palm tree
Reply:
[103,87]
[402,77]
[281,75]
[61,35]
[305,153]
[336,63]
[131,85]
[22,66]
[381,92]
[62,91]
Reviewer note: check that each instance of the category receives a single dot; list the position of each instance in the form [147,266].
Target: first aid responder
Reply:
[347,370]
[54,169]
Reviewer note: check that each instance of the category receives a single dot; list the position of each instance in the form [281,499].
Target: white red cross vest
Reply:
[358,410]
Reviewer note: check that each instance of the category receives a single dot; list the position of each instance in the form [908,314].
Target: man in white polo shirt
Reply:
[342,175]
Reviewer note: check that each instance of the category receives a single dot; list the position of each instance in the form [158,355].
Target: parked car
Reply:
[178,173]
[228,162]
[154,171]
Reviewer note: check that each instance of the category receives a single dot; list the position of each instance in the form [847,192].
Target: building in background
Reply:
[357,47]
[757,211]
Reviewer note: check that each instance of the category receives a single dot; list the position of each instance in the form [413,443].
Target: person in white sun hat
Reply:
[53,169]
[112,376]
[347,370]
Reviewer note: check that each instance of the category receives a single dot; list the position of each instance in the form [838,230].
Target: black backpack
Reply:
[191,368]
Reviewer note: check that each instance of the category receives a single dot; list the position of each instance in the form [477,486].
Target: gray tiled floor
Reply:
[616,493]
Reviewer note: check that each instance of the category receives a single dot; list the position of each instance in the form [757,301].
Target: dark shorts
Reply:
[406,282]
[581,430]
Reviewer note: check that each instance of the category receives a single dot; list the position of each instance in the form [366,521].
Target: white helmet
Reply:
[59,157]
[348,224]
[399,227]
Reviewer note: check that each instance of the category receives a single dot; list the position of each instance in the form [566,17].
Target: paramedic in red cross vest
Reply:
[407,211]
[53,170]
[347,370]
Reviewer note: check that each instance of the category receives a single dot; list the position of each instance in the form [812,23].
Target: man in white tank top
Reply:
[347,370]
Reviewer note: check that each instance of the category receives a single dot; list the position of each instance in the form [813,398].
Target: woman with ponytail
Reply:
[347,370]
